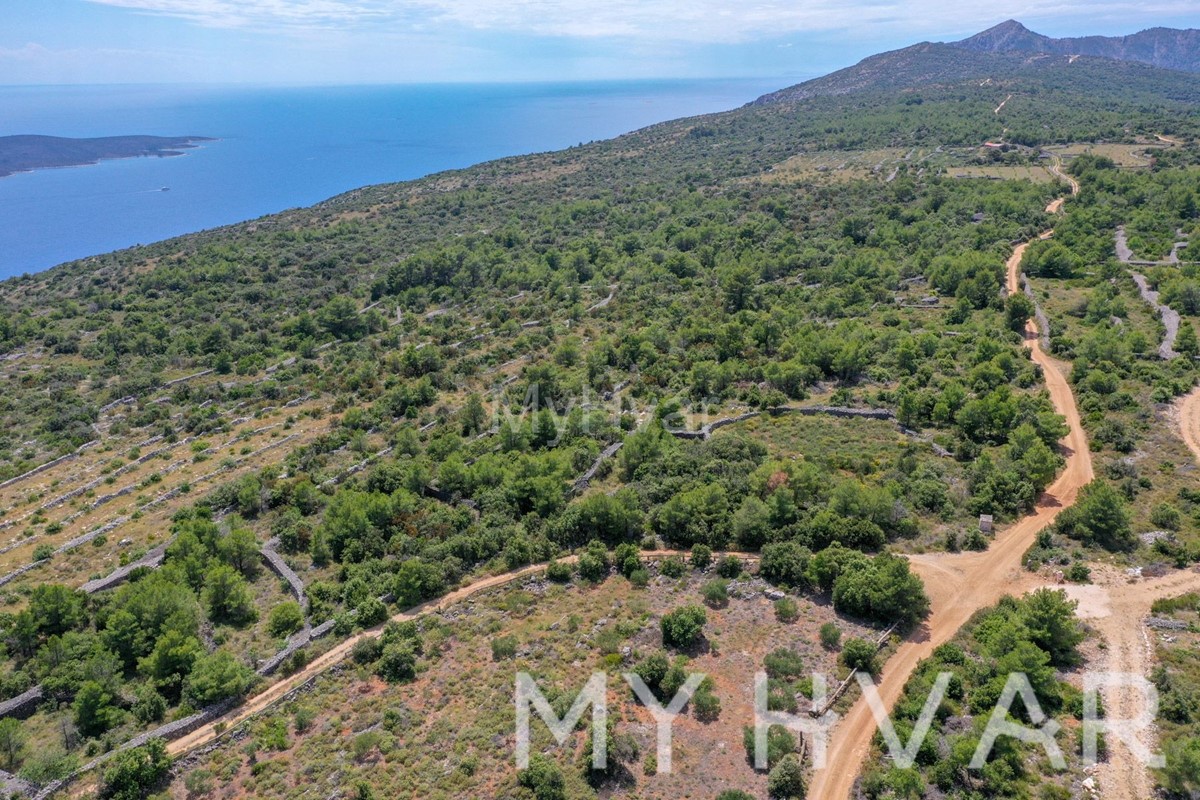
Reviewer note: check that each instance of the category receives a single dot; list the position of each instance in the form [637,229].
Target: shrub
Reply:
[883,589]
[673,567]
[783,662]
[702,556]
[371,612]
[831,636]
[43,552]
[785,564]
[133,774]
[681,627]
[364,744]
[675,678]
[781,696]
[640,578]
[859,655]
[150,706]
[504,647]
[652,669]
[592,568]
[198,782]
[628,558]
[716,593]
[975,540]
[367,650]
[729,567]
[398,662]
[1099,517]
[543,778]
[558,572]
[786,780]
[1079,572]
[780,742]
[706,704]
[786,610]
[285,619]
[1181,775]
[302,718]
[218,676]
[1166,516]
[47,764]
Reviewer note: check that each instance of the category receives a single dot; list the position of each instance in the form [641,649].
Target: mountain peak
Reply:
[1160,47]
[1008,26]
[1007,36]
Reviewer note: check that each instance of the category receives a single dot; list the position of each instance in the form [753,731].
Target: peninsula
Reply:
[25,153]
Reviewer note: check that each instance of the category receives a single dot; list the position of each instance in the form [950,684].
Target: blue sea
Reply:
[280,148]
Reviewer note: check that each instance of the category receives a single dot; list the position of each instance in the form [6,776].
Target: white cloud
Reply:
[30,52]
[266,13]
[36,63]
[700,21]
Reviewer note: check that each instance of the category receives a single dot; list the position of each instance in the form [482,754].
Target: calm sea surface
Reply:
[281,148]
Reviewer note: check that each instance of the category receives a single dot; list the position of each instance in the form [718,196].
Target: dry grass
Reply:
[1036,174]
[1123,155]
[457,736]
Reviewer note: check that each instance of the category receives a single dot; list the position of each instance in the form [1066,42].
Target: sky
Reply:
[421,41]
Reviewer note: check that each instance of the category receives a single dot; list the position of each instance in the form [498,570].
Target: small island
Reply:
[29,152]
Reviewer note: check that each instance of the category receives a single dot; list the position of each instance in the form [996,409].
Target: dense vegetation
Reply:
[1179,703]
[1111,336]
[1037,636]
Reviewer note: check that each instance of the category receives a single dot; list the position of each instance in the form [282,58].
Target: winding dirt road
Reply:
[961,584]
[1056,169]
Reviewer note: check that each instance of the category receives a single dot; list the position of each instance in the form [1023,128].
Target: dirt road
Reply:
[961,584]
[1116,607]
[1188,409]
[1056,169]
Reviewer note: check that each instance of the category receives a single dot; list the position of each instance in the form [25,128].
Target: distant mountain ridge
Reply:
[1158,61]
[931,65]
[1167,48]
